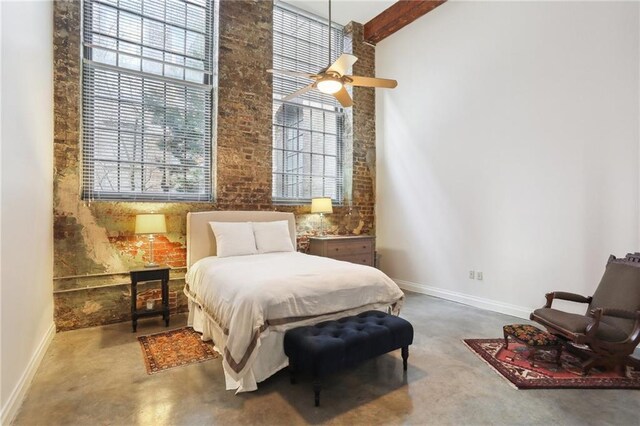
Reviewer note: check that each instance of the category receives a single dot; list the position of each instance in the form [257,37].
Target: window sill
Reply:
[299,203]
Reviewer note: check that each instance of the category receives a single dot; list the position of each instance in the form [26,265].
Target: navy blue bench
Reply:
[331,346]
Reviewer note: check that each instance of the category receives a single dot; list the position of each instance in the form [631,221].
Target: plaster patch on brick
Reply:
[91,307]
[94,236]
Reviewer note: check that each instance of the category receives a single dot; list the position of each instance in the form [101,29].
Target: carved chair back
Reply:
[619,289]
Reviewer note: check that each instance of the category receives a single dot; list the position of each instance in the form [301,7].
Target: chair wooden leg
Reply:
[607,362]
[588,365]
[620,369]
[558,356]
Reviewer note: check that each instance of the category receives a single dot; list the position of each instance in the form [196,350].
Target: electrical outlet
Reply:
[472,275]
[479,275]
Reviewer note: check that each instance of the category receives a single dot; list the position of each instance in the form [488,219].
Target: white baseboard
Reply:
[466,299]
[10,409]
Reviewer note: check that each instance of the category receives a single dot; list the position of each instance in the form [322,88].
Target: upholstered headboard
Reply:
[200,240]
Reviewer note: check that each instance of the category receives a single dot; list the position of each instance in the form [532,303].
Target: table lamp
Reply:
[321,205]
[150,224]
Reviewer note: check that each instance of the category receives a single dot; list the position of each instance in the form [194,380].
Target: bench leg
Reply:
[405,357]
[316,391]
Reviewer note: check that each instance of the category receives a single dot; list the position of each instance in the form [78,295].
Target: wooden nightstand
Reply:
[352,248]
[160,273]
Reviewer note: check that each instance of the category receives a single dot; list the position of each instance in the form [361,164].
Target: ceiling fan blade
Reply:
[343,97]
[370,82]
[292,73]
[302,91]
[343,63]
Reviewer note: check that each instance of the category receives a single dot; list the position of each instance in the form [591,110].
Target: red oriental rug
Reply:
[174,348]
[512,364]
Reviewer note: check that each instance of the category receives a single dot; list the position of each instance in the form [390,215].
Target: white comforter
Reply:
[249,295]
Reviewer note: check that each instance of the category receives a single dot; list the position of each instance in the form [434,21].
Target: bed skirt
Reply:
[270,356]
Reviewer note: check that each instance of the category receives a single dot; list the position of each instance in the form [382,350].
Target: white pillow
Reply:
[272,236]
[234,238]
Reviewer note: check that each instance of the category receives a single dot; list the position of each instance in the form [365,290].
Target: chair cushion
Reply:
[577,324]
[620,289]
[332,345]
[530,335]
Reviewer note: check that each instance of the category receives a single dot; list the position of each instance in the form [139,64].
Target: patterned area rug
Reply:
[174,348]
[512,365]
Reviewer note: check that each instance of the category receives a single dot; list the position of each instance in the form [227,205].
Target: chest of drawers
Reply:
[351,248]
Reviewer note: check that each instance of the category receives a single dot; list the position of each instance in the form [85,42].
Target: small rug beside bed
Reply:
[512,365]
[174,348]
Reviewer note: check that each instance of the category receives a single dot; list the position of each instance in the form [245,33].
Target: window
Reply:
[147,102]
[307,131]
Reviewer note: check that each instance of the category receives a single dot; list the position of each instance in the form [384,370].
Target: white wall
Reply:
[511,146]
[26,270]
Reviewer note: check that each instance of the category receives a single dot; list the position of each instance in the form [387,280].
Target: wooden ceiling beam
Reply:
[397,16]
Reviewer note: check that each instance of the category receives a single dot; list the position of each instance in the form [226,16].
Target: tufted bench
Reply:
[330,346]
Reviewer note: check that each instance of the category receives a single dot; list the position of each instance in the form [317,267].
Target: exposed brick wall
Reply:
[165,251]
[364,128]
[244,106]
[155,294]
[97,238]
[108,304]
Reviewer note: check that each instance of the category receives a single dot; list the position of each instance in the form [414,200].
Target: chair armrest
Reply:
[618,313]
[563,295]
[634,337]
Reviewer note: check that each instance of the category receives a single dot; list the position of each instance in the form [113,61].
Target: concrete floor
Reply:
[97,376]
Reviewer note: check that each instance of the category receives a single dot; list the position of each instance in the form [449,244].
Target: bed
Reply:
[246,303]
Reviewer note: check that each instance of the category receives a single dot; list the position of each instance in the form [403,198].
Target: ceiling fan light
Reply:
[329,86]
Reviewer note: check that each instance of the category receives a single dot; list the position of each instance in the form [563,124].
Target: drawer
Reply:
[339,248]
[360,259]
[150,275]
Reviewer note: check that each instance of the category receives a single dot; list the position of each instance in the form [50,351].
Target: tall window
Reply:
[308,130]
[148,75]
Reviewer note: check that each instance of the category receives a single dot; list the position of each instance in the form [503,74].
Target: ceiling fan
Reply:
[333,79]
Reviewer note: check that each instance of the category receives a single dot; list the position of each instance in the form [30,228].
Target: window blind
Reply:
[308,130]
[147,101]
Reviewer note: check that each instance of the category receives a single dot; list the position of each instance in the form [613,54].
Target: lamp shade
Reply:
[150,224]
[321,205]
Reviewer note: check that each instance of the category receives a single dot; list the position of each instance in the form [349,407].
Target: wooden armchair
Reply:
[611,325]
